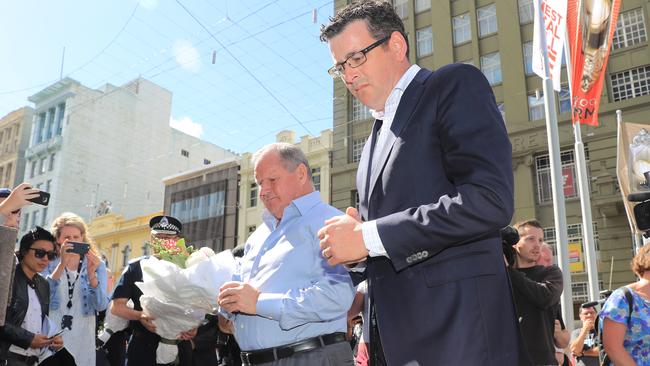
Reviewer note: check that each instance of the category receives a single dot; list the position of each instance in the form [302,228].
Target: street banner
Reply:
[576,260]
[591,25]
[554,12]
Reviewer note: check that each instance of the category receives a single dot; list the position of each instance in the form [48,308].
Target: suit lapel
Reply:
[403,116]
[362,174]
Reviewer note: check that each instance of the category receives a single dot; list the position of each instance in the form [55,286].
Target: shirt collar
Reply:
[298,207]
[390,106]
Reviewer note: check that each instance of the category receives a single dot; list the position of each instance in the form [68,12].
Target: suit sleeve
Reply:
[477,158]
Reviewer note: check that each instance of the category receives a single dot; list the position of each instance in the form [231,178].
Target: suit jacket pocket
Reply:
[461,266]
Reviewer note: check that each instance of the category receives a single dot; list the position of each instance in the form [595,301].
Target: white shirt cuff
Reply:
[372,240]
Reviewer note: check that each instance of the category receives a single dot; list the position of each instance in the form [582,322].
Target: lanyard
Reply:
[71,285]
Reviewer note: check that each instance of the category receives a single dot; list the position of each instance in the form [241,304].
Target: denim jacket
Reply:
[94,299]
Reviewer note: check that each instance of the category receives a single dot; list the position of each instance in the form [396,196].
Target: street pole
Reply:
[559,211]
[585,200]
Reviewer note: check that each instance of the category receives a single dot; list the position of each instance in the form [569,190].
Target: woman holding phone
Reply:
[78,286]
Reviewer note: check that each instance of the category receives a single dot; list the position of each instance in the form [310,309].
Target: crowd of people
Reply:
[420,273]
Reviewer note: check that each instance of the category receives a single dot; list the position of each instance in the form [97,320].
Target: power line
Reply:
[249,72]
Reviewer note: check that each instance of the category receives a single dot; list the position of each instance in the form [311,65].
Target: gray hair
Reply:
[290,154]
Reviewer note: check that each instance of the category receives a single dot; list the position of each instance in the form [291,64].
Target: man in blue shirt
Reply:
[287,305]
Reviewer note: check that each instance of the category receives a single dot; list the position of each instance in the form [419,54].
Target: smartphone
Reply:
[42,199]
[79,248]
[56,334]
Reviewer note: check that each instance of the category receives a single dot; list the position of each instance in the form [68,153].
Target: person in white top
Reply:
[21,338]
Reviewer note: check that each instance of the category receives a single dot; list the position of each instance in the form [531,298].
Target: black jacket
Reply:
[11,332]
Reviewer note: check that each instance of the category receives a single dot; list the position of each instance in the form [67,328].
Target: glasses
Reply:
[40,253]
[354,60]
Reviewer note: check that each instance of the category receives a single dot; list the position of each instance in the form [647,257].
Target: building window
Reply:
[462,30]
[528,58]
[422,5]
[536,106]
[252,196]
[502,110]
[574,235]
[630,29]
[59,118]
[40,125]
[52,162]
[487,20]
[37,218]
[491,67]
[185,153]
[199,207]
[24,222]
[357,148]
[48,185]
[359,110]
[146,249]
[126,253]
[424,40]
[206,162]
[42,166]
[44,219]
[630,83]
[543,173]
[526,11]
[401,8]
[32,169]
[315,178]
[8,173]
[49,127]
[565,99]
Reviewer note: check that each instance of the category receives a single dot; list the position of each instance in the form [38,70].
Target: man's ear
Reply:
[302,172]
[397,45]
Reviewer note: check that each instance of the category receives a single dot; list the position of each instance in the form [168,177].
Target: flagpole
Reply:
[559,211]
[584,192]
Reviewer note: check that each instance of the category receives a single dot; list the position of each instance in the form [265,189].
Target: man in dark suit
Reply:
[435,186]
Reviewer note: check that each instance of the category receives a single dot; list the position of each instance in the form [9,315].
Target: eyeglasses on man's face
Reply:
[40,253]
[354,60]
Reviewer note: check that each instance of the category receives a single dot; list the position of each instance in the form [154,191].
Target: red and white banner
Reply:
[591,25]
[554,12]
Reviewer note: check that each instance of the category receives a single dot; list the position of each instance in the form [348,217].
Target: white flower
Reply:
[199,256]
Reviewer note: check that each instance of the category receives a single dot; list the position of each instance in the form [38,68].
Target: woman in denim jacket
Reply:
[78,288]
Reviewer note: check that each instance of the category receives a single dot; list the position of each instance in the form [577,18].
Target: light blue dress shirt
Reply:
[301,295]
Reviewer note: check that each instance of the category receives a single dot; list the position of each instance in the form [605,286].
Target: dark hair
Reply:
[32,236]
[380,17]
[530,222]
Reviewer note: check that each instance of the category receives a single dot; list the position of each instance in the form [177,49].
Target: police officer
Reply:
[144,341]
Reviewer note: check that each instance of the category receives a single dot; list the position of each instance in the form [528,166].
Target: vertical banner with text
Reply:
[591,25]
[554,12]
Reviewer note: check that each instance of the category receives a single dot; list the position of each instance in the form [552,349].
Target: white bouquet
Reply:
[179,298]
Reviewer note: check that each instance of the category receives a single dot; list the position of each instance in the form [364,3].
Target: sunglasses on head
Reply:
[40,253]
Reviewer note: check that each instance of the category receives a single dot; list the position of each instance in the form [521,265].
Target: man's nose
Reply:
[349,74]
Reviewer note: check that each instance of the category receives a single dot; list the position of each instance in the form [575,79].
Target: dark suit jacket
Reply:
[443,190]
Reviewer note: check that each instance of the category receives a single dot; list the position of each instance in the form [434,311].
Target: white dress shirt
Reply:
[369,231]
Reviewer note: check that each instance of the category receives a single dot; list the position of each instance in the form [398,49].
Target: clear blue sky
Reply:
[269,72]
